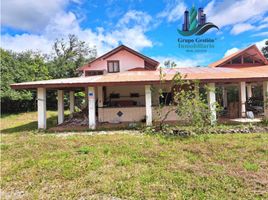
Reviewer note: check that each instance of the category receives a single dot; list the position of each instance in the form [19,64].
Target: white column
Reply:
[211,96]
[60,106]
[100,96]
[249,91]
[71,94]
[225,99]
[148,105]
[91,108]
[242,98]
[41,106]
[265,98]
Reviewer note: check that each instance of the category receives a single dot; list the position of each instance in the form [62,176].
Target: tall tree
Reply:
[265,50]
[68,56]
[15,68]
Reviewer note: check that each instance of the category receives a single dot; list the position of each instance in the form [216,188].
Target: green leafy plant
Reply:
[186,101]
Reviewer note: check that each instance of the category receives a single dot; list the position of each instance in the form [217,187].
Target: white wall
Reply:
[130,114]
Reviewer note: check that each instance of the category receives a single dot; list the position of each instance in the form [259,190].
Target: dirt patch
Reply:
[257,181]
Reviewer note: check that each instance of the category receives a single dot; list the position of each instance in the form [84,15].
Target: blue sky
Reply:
[148,26]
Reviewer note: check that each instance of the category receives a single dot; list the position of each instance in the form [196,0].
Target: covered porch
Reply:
[129,96]
[124,104]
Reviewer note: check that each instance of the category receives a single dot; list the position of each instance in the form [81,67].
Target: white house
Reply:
[118,84]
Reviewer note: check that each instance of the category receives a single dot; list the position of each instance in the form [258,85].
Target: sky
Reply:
[148,26]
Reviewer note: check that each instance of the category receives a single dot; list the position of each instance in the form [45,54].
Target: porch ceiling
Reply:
[203,74]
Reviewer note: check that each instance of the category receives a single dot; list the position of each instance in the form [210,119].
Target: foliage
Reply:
[265,50]
[186,101]
[68,56]
[31,66]
[192,107]
[170,64]
[20,67]
[264,121]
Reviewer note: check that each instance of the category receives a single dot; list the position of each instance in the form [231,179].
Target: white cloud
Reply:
[239,28]
[226,12]
[173,11]
[260,34]
[134,18]
[265,19]
[30,15]
[231,51]
[130,31]
[25,42]
[262,26]
[259,44]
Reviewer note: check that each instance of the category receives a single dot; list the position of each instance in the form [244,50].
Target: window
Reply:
[114,95]
[113,66]
[93,73]
[248,60]
[134,95]
[236,60]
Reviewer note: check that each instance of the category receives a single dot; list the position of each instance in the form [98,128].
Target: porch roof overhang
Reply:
[202,74]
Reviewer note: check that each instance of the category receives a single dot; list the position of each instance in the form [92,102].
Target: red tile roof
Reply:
[204,74]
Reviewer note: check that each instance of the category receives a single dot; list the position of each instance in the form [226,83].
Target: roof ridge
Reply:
[224,59]
[115,50]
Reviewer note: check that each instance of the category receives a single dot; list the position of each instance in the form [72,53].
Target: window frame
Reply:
[113,66]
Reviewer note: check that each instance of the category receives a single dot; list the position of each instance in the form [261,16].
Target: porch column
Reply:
[91,108]
[60,106]
[211,97]
[249,91]
[242,98]
[265,98]
[224,96]
[71,94]
[100,96]
[148,105]
[41,107]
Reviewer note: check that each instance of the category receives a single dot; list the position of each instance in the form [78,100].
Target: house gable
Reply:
[122,57]
[250,56]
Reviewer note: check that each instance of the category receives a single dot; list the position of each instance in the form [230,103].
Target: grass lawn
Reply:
[127,166]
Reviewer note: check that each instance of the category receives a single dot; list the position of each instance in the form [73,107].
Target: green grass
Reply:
[251,166]
[45,166]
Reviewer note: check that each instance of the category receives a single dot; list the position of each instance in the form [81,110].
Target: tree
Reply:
[68,56]
[185,100]
[15,68]
[170,64]
[265,50]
